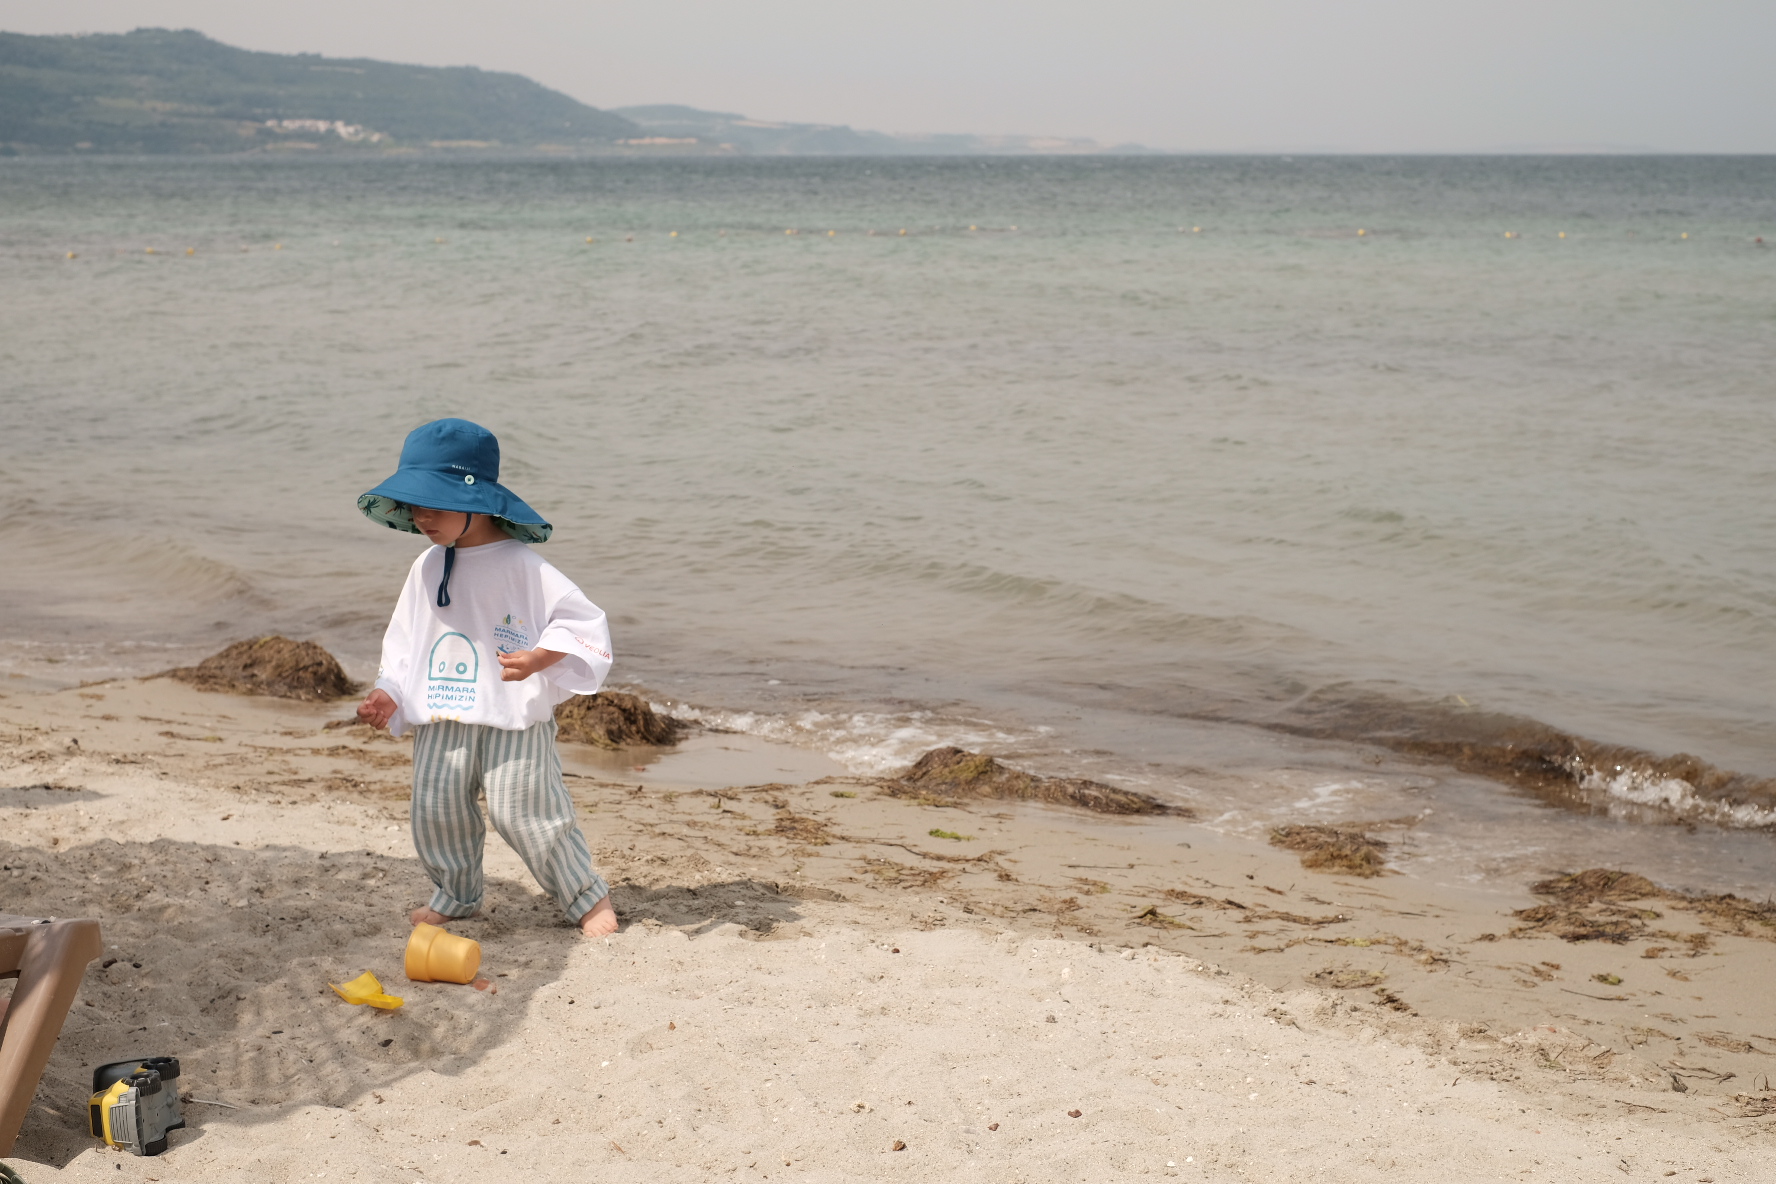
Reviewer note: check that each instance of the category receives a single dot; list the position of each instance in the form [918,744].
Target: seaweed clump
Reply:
[1600,904]
[1341,850]
[800,828]
[611,719]
[1592,905]
[955,773]
[1733,914]
[1611,923]
[270,665]
[1595,884]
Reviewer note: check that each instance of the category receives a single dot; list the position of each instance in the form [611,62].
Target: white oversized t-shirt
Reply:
[439,663]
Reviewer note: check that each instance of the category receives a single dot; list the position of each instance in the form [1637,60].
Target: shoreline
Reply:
[753,888]
[1500,799]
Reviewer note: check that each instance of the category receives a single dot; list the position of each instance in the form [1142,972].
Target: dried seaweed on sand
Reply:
[270,665]
[953,773]
[1580,914]
[611,719]
[1346,979]
[1594,884]
[1196,900]
[800,828]
[1597,904]
[903,876]
[1337,849]
[1611,924]
[1733,914]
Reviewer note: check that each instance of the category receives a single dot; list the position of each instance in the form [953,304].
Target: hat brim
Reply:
[392,502]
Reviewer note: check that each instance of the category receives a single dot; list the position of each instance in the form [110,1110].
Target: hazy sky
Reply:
[1290,75]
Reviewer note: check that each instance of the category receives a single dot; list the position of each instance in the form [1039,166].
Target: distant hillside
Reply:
[719,131]
[159,90]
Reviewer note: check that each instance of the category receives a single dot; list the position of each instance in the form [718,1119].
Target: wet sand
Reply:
[808,975]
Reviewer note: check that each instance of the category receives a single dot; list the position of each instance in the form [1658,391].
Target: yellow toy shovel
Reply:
[366,989]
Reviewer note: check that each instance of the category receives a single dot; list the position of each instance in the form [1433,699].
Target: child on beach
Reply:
[482,727]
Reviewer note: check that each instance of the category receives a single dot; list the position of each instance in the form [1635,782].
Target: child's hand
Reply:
[376,709]
[521,664]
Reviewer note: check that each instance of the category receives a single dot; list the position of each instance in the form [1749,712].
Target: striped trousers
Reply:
[520,774]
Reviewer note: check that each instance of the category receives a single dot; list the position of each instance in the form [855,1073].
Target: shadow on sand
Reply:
[221,957]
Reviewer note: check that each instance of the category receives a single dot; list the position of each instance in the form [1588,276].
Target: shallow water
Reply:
[1087,491]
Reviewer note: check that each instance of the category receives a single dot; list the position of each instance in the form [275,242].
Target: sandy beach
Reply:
[826,977]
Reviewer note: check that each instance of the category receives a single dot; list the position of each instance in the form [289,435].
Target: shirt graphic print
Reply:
[442,662]
[451,675]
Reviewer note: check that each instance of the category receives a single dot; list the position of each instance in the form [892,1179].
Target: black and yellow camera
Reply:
[135,1103]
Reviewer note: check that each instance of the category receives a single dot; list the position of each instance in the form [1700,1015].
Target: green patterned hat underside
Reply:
[399,516]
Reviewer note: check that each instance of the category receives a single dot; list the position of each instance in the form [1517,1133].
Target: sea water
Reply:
[1248,482]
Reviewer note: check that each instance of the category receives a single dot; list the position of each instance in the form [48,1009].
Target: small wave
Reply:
[1560,767]
[867,743]
[1644,786]
[98,562]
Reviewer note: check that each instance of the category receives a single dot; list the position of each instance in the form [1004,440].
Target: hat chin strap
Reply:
[450,561]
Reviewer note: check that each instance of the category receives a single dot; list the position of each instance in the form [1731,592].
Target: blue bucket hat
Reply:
[453,465]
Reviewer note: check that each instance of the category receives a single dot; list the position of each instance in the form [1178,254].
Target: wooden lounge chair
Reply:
[48,958]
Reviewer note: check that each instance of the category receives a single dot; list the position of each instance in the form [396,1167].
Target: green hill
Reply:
[161,90]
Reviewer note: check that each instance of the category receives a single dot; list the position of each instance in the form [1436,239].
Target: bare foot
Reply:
[425,916]
[601,921]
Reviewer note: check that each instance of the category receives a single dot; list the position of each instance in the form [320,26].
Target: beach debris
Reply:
[1060,906]
[1075,1113]
[842,793]
[1343,850]
[270,665]
[955,773]
[1726,1042]
[1195,900]
[1732,914]
[1152,917]
[1386,998]
[1346,979]
[366,990]
[1255,915]
[901,875]
[899,1145]
[939,833]
[992,1126]
[1610,980]
[1050,1019]
[1611,923]
[798,827]
[612,719]
[1603,904]
[1587,887]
